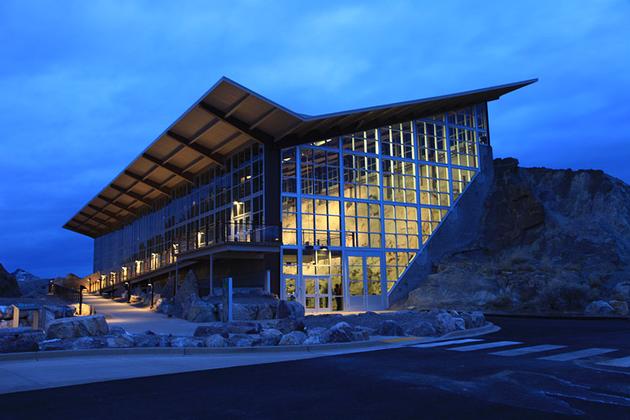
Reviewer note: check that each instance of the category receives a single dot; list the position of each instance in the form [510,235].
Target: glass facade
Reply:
[356,209]
[225,205]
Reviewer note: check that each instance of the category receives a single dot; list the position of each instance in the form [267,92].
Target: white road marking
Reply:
[485,346]
[580,354]
[620,362]
[446,343]
[527,350]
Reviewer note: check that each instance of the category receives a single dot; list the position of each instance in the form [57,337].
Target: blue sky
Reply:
[87,85]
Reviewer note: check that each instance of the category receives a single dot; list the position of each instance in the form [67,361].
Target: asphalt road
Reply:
[410,382]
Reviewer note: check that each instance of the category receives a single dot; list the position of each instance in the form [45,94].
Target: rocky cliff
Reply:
[551,241]
[8,284]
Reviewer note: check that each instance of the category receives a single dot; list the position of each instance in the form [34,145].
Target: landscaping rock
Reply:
[620,307]
[293,338]
[270,337]
[341,332]
[219,328]
[186,342]
[244,340]
[361,334]
[390,328]
[149,340]
[216,340]
[86,343]
[287,325]
[460,324]
[316,335]
[290,309]
[423,329]
[623,289]
[599,307]
[19,339]
[243,327]
[444,323]
[201,311]
[94,325]
[474,319]
[120,341]
[244,312]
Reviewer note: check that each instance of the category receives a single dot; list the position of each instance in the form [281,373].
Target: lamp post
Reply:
[151,286]
[128,291]
[81,289]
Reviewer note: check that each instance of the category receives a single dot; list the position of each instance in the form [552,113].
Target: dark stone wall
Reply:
[461,228]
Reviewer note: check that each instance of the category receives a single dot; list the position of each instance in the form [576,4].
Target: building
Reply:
[330,210]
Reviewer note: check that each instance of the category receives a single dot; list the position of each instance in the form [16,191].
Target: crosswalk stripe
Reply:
[485,346]
[620,362]
[446,343]
[527,350]
[580,354]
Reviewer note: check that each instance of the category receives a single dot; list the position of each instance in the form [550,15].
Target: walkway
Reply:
[138,320]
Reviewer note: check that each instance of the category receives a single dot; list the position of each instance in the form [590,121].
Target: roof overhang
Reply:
[227,117]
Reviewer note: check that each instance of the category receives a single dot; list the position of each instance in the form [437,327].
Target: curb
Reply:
[380,343]
[557,316]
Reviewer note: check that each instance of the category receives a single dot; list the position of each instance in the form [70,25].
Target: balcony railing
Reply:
[216,234]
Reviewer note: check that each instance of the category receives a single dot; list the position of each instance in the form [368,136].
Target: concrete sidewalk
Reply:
[138,320]
[29,371]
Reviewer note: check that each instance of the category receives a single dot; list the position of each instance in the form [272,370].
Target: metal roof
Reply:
[225,118]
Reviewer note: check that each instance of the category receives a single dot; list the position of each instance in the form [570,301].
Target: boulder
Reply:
[293,338]
[459,322]
[244,312]
[216,340]
[623,289]
[19,339]
[244,340]
[94,325]
[473,319]
[286,325]
[149,340]
[243,327]
[120,341]
[390,328]
[86,343]
[599,307]
[186,294]
[214,328]
[341,332]
[361,333]
[267,310]
[423,329]
[290,309]
[186,342]
[620,306]
[201,311]
[270,337]
[444,323]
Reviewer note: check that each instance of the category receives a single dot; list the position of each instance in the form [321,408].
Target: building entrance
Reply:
[318,295]
[364,281]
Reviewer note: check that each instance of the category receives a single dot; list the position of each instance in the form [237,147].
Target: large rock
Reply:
[473,319]
[201,311]
[390,328]
[293,338]
[8,284]
[216,340]
[94,325]
[244,340]
[149,340]
[19,339]
[423,329]
[620,306]
[187,294]
[120,341]
[244,312]
[225,328]
[341,332]
[290,309]
[599,307]
[186,342]
[215,328]
[270,337]
[445,323]
[76,343]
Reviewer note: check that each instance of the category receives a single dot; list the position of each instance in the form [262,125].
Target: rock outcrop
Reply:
[8,284]
[551,241]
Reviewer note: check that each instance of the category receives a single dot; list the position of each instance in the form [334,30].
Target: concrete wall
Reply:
[458,230]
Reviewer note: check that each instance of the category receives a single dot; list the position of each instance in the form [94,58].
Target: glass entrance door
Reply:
[365,282]
[317,293]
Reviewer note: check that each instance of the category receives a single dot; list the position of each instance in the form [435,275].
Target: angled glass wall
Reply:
[225,205]
[356,209]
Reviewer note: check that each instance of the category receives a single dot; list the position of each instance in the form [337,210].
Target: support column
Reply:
[211,274]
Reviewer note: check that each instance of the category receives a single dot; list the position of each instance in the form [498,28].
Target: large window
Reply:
[398,183]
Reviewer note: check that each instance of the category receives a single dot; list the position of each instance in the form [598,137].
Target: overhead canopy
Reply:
[225,118]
